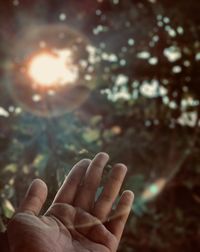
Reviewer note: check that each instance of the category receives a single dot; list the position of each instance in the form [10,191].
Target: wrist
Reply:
[4,242]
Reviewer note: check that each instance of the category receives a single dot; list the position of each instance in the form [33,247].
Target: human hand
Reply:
[75,222]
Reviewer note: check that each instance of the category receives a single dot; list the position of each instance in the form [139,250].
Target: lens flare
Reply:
[53,69]
[154,189]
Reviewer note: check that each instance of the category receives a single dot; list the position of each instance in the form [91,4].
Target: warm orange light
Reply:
[53,69]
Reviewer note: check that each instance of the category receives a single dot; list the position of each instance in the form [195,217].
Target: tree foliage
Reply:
[144,111]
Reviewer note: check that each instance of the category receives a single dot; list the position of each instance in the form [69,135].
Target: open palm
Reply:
[75,222]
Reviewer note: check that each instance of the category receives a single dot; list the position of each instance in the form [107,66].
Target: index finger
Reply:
[69,188]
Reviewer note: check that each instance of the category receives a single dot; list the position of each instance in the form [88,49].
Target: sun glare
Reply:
[48,69]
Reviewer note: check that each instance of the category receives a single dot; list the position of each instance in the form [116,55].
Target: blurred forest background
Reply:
[143,111]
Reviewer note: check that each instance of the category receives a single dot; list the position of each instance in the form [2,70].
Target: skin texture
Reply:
[75,221]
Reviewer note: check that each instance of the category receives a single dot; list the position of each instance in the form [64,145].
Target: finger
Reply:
[111,189]
[34,198]
[85,198]
[120,216]
[69,188]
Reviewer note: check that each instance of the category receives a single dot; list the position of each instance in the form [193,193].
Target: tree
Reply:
[144,109]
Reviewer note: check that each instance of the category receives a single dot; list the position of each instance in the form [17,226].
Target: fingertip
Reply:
[86,161]
[39,189]
[103,155]
[38,185]
[39,181]
[34,198]
[100,159]
[122,167]
[128,196]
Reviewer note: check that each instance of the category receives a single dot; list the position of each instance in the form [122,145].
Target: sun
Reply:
[50,69]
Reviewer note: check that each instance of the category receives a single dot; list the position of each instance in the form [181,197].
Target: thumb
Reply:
[34,198]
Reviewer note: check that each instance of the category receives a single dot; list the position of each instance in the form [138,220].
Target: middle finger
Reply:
[86,195]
